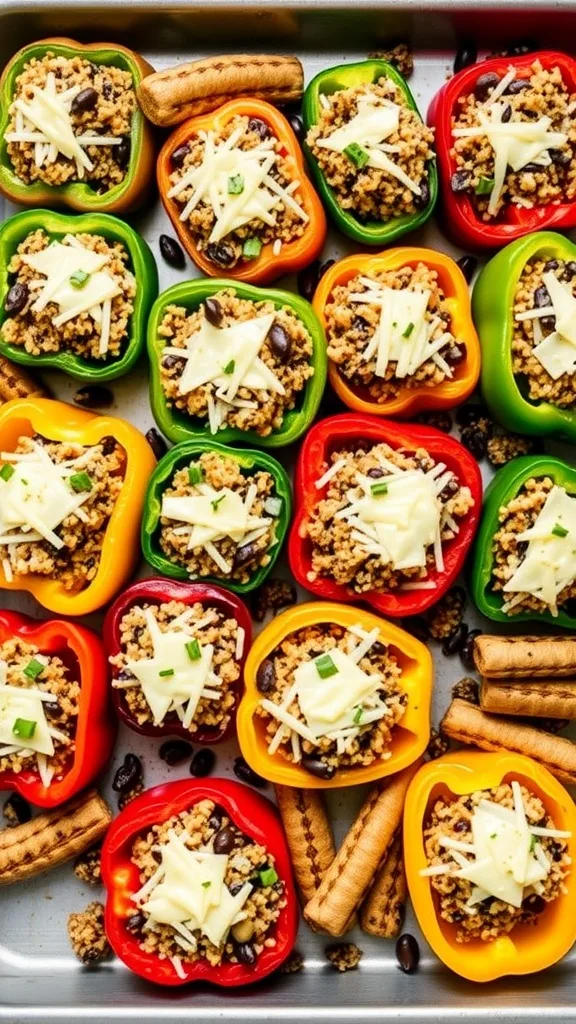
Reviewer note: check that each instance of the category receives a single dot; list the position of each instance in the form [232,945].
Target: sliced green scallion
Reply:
[325,667]
[357,154]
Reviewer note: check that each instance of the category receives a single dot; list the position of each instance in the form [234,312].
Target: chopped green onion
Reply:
[325,667]
[206,885]
[380,488]
[484,186]
[251,248]
[268,876]
[78,278]
[193,650]
[493,836]
[358,715]
[80,482]
[217,501]
[533,841]
[24,728]
[559,531]
[357,154]
[6,472]
[229,368]
[23,481]
[408,331]
[34,668]
[235,185]
[195,474]
[166,672]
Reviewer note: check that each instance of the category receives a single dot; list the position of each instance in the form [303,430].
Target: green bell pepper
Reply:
[180,456]
[141,263]
[346,76]
[504,486]
[492,306]
[178,425]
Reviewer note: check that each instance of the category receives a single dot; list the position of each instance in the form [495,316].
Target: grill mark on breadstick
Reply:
[541,699]
[309,835]
[381,913]
[518,657]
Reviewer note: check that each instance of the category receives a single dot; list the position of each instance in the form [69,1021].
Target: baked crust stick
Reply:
[468,724]
[543,698]
[16,383]
[309,834]
[352,871]
[525,657]
[382,912]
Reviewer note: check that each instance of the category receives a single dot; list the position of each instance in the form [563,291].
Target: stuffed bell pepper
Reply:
[234,185]
[71,131]
[399,332]
[216,514]
[524,305]
[505,142]
[524,565]
[234,361]
[385,512]
[490,841]
[177,652]
[75,293]
[199,885]
[55,730]
[370,153]
[71,491]
[334,697]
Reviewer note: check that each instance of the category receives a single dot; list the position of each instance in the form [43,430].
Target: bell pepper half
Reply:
[503,487]
[61,422]
[157,591]
[176,424]
[493,305]
[180,456]
[410,735]
[461,219]
[141,264]
[350,76]
[81,651]
[267,266]
[408,401]
[313,461]
[78,195]
[526,948]
[251,812]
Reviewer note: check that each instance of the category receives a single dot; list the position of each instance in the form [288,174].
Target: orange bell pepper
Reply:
[410,736]
[408,401]
[121,548]
[293,256]
[526,948]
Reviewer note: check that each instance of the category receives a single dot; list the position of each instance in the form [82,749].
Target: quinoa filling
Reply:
[331,698]
[237,190]
[383,518]
[178,664]
[514,141]
[39,705]
[217,520]
[391,330]
[70,295]
[534,549]
[519,866]
[61,538]
[373,150]
[234,362]
[544,332]
[71,120]
[208,891]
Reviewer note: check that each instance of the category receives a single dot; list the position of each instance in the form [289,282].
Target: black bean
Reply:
[562,157]
[467,652]
[221,253]
[246,554]
[215,819]
[266,676]
[417,626]
[517,85]
[468,266]
[107,89]
[467,415]
[326,266]
[297,125]
[535,904]
[134,922]
[224,841]
[86,99]
[407,954]
[172,252]
[16,298]
[459,181]
[213,312]
[108,444]
[456,355]
[421,201]
[280,342]
[235,888]
[484,85]
[17,809]
[128,774]
[246,953]
[466,55]
[122,151]
[449,490]
[179,155]
[438,419]
[455,642]
[551,265]
[531,168]
[94,396]
[174,751]
[259,127]
[375,473]
[316,766]
[245,773]
[570,269]
[156,442]
[461,825]
[360,324]
[307,280]
[172,362]
[476,441]
[202,763]
[541,297]
[506,114]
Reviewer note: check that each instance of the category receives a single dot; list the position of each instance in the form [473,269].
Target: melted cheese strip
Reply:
[332,704]
[549,564]
[26,703]
[557,351]
[58,263]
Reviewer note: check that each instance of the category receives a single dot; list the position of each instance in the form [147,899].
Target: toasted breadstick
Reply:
[525,657]
[382,912]
[544,698]
[309,836]
[16,383]
[467,723]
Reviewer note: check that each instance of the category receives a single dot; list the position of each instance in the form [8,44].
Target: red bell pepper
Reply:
[255,815]
[313,461]
[461,219]
[82,653]
[156,591]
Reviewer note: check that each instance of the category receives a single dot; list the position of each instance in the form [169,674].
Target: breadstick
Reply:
[520,657]
[382,912]
[186,90]
[309,836]
[467,723]
[16,383]
[351,873]
[544,698]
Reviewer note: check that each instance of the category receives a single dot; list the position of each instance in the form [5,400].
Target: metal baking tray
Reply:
[39,977]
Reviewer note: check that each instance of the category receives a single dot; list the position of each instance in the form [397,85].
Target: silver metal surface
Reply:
[39,978]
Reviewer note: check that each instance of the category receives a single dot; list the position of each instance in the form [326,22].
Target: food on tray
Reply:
[525,657]
[382,912]
[309,836]
[87,936]
[17,383]
[554,698]
[489,841]
[177,652]
[53,837]
[199,886]
[370,151]
[399,331]
[72,129]
[200,86]
[234,185]
[217,514]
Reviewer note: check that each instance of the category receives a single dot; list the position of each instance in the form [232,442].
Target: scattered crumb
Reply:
[271,596]
[401,56]
[466,689]
[87,935]
[16,810]
[447,614]
[503,447]
[293,964]
[130,794]
[437,745]
[344,956]
[87,866]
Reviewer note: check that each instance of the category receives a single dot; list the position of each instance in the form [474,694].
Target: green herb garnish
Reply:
[533,841]
[559,531]
[24,728]
[78,278]
[166,672]
[206,885]
[6,472]
[34,668]
[229,368]
[484,186]
[80,482]
[358,715]
[268,876]
[493,836]
[408,331]
[380,488]
[325,667]
[217,502]
[235,185]
[195,474]
[193,650]
[252,248]
[357,154]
